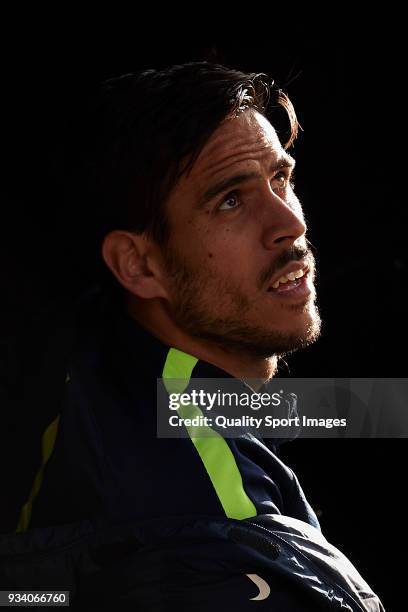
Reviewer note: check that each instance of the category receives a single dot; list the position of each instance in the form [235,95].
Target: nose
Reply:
[283,222]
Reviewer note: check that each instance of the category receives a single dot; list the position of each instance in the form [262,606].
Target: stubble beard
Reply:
[198,297]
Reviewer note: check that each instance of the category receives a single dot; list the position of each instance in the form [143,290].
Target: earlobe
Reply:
[131,260]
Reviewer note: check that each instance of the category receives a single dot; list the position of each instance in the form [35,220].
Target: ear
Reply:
[134,260]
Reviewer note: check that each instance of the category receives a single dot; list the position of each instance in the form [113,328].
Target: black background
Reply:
[347,84]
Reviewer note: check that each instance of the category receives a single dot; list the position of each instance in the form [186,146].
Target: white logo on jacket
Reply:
[263,586]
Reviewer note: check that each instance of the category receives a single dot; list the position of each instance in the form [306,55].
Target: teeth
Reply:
[288,277]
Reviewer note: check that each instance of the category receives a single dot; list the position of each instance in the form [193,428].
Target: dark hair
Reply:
[145,130]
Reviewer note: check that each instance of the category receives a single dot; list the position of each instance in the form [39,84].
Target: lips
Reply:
[290,273]
[298,289]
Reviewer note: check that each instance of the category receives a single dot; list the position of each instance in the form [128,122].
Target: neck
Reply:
[254,371]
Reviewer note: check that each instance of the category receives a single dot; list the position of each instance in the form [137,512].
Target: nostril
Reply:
[278,240]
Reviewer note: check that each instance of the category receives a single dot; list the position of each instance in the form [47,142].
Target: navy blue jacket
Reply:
[116,509]
[108,462]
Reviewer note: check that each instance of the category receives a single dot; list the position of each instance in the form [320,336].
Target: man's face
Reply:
[237,227]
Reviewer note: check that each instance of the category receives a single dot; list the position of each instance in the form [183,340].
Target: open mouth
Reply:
[291,283]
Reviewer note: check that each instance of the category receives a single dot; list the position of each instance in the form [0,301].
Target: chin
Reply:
[300,337]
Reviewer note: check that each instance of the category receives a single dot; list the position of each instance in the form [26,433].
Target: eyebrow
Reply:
[214,190]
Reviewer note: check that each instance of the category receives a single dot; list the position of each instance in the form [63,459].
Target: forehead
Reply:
[247,141]
[248,136]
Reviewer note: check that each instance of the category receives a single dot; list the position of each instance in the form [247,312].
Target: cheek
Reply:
[228,257]
[224,252]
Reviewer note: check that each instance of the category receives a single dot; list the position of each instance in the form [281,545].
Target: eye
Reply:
[282,180]
[229,202]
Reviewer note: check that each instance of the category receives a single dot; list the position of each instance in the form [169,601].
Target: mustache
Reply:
[295,253]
